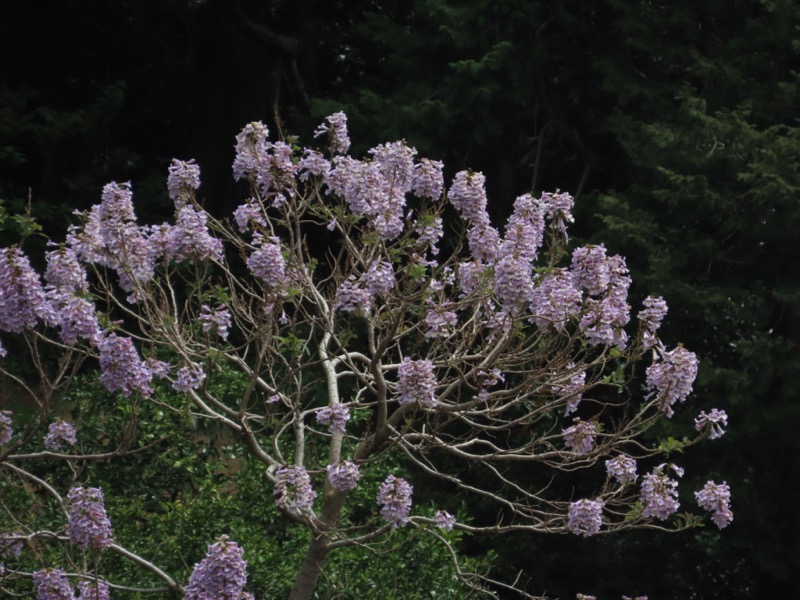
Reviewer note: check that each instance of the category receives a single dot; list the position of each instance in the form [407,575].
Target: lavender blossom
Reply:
[293,489]
[580,436]
[93,590]
[672,377]
[660,494]
[52,584]
[189,378]
[558,209]
[484,242]
[11,545]
[336,130]
[122,369]
[429,231]
[416,382]
[189,238]
[394,498]
[378,279]
[569,386]
[713,422]
[512,282]
[217,320]
[525,229]
[590,269]
[444,520]
[395,161]
[6,429]
[440,322]
[88,522]
[251,150]
[555,300]
[59,433]
[267,263]
[221,575]
[427,180]
[22,298]
[249,214]
[468,195]
[622,468]
[344,475]
[313,163]
[716,498]
[182,181]
[585,517]
[336,416]
[655,309]
[352,298]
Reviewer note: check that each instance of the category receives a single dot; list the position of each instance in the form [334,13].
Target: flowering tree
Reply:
[503,351]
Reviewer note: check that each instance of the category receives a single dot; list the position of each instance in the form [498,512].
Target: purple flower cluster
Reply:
[717,499]
[189,238]
[352,298]
[378,279]
[585,517]
[713,421]
[6,428]
[467,194]
[444,520]
[182,181]
[22,298]
[336,416]
[66,290]
[580,437]
[221,575]
[512,282]
[344,475]
[604,319]
[52,584]
[395,161]
[313,163]
[89,524]
[427,180]
[267,263]
[590,269]
[622,468]
[189,377]
[440,322]
[249,214]
[336,129]
[416,382]
[570,386]
[11,545]
[555,300]
[93,590]
[122,369]
[655,309]
[293,489]
[429,231]
[394,498]
[660,493]
[376,189]
[558,209]
[672,377]
[484,242]
[525,229]
[217,320]
[59,433]
[251,150]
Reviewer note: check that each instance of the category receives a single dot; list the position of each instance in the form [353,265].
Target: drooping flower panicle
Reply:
[89,525]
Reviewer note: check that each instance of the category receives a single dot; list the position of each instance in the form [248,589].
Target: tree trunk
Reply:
[319,549]
[310,570]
